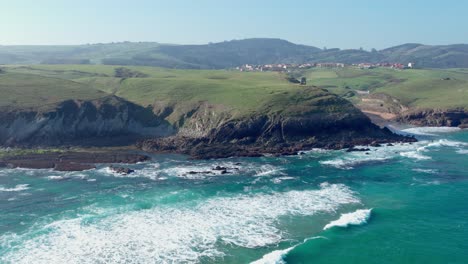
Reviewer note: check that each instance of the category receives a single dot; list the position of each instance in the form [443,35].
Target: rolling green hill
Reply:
[215,113]
[430,89]
[229,54]
[241,92]
[22,91]
[204,113]
[238,93]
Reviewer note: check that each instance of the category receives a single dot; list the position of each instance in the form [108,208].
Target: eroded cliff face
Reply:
[309,118]
[389,108]
[435,117]
[325,122]
[107,121]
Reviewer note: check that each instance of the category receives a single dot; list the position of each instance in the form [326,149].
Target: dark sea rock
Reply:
[353,149]
[69,161]
[72,166]
[122,170]
[199,172]
[263,135]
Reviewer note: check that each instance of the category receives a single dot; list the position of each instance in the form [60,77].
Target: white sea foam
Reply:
[29,172]
[462,151]
[150,171]
[358,217]
[446,143]
[182,233]
[430,131]
[68,175]
[196,171]
[349,160]
[429,171]
[281,179]
[417,150]
[414,155]
[17,188]
[275,257]
[268,170]
[56,177]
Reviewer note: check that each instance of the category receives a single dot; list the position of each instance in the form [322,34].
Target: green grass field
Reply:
[19,90]
[418,88]
[240,93]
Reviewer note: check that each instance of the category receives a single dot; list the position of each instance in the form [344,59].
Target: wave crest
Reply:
[358,217]
[17,188]
[166,234]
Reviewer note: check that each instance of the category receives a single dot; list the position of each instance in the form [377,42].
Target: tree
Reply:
[373,50]
[303,81]
[292,80]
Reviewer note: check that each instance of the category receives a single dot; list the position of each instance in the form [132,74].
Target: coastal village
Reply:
[285,67]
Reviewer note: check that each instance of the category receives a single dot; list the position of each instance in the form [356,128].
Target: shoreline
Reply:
[63,159]
[67,160]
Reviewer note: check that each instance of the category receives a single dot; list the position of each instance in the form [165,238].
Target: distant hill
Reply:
[446,56]
[234,53]
[230,54]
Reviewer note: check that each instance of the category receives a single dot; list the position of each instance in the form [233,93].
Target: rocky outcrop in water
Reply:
[277,135]
[69,161]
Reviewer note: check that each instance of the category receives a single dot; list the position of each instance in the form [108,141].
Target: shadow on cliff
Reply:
[108,121]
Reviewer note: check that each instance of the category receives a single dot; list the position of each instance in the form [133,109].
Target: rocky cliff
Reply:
[435,117]
[107,121]
[285,124]
[312,118]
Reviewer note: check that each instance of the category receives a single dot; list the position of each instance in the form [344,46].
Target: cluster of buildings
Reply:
[281,67]
[284,67]
[384,65]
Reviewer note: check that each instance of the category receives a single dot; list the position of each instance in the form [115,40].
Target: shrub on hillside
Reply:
[123,72]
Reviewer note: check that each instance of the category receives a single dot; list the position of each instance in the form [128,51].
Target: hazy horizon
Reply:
[161,43]
[336,24]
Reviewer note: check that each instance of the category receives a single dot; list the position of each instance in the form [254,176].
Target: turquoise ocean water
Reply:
[406,203]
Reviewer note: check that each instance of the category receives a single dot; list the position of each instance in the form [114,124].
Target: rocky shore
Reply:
[290,123]
[69,161]
[276,136]
[434,117]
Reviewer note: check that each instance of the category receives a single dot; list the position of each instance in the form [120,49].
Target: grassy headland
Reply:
[210,113]
[415,88]
[239,93]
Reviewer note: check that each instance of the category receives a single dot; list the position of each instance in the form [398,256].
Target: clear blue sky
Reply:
[331,23]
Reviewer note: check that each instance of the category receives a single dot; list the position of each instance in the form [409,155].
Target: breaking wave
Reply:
[275,257]
[430,131]
[167,234]
[197,171]
[17,188]
[358,217]
[415,151]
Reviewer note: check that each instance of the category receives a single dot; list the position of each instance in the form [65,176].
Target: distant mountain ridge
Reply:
[230,54]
